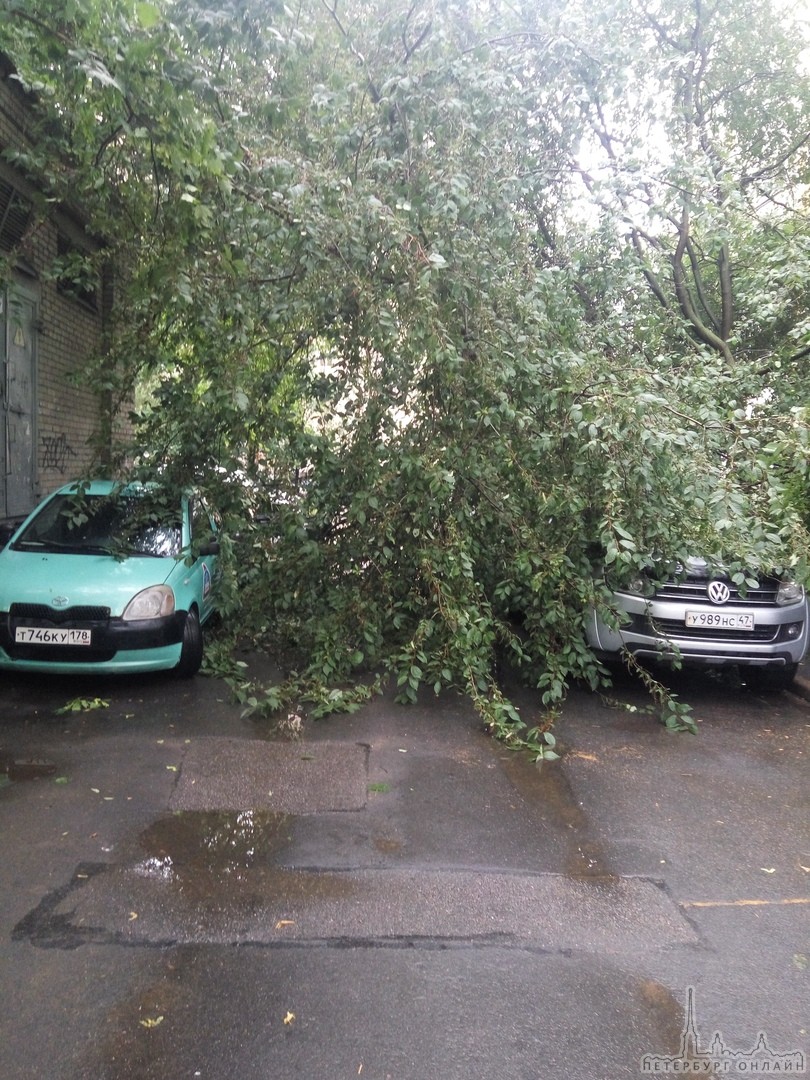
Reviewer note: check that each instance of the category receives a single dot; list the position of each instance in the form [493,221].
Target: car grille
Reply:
[695,589]
[42,615]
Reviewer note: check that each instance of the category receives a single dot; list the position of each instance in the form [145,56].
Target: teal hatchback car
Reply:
[104,577]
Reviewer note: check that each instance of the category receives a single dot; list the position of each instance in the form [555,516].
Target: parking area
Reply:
[394,894]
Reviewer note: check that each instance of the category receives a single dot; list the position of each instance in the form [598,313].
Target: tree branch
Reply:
[411,49]
[769,170]
[704,333]
[726,292]
[697,278]
[375,94]
[651,278]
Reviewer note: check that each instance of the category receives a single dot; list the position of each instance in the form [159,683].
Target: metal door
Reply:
[17,359]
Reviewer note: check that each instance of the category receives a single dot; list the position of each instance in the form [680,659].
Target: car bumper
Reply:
[124,662]
[657,630]
[115,646]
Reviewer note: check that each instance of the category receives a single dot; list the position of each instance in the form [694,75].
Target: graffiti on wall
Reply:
[56,450]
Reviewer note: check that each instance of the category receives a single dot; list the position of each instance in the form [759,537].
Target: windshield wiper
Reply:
[54,548]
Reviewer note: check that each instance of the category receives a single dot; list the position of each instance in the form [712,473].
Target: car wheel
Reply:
[191,653]
[770,679]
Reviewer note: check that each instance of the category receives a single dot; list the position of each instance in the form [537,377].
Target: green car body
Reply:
[91,583]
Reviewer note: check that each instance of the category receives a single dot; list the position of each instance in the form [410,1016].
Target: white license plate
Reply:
[51,635]
[721,620]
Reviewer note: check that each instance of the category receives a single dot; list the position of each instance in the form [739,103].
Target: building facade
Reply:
[49,329]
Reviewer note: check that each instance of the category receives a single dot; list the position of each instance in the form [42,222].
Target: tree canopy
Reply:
[486,304]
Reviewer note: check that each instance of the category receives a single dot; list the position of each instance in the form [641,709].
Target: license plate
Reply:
[51,635]
[721,620]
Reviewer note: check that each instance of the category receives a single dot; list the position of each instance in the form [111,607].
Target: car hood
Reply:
[36,577]
[697,567]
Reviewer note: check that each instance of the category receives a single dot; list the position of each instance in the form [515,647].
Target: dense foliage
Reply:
[480,306]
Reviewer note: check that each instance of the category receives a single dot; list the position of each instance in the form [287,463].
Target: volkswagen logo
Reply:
[59,602]
[719,592]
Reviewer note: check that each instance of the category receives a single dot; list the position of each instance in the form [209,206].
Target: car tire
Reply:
[191,653]
[770,679]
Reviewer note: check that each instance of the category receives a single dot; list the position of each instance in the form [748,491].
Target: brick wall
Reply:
[68,414]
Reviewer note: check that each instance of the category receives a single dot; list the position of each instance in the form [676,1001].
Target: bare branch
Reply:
[651,278]
[332,10]
[704,332]
[697,278]
[411,49]
[774,166]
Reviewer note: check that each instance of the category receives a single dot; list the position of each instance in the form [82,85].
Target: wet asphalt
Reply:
[395,896]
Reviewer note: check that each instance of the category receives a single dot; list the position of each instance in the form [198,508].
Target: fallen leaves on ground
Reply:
[150,1023]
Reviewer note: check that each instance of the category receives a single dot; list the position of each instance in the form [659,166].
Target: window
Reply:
[202,530]
[15,214]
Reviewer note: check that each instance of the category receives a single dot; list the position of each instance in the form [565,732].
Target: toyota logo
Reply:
[59,601]
[719,592]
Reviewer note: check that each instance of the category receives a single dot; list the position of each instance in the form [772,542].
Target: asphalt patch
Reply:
[156,903]
[288,778]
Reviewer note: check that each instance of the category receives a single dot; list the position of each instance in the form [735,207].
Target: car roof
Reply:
[103,487]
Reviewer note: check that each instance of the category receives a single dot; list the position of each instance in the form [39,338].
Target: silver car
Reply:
[701,616]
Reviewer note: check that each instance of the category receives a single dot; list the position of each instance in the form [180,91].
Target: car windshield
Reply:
[117,524]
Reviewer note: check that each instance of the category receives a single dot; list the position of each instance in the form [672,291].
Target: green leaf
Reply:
[148,14]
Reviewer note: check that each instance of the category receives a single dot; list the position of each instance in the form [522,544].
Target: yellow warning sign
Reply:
[19,338]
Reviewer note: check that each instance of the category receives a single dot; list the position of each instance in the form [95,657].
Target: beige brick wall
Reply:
[68,412]
[69,331]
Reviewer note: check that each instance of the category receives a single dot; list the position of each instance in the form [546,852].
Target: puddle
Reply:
[586,860]
[549,787]
[26,769]
[226,863]
[665,1015]
[214,841]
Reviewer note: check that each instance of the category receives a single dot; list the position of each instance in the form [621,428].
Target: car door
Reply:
[204,569]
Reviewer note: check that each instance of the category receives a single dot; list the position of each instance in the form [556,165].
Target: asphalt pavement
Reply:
[394,895]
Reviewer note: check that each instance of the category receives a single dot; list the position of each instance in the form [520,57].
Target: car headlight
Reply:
[153,603]
[638,586]
[789,592]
